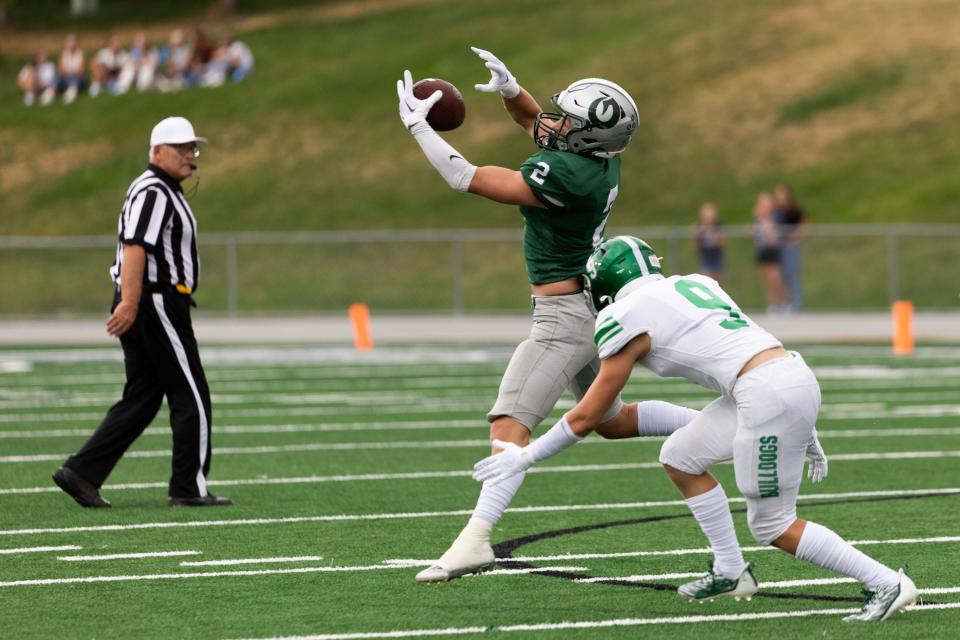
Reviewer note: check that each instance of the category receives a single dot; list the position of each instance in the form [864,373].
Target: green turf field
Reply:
[350,473]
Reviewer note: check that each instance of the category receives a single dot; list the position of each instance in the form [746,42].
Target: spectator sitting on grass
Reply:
[199,58]
[175,60]
[38,79]
[139,66]
[106,66]
[232,59]
[71,70]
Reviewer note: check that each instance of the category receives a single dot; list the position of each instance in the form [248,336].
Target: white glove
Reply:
[412,109]
[817,469]
[512,460]
[500,77]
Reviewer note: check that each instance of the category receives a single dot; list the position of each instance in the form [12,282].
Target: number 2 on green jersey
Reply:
[704,298]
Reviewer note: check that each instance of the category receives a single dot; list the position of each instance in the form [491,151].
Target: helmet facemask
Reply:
[551,130]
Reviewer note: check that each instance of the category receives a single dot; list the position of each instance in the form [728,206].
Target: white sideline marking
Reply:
[66,547]
[227,563]
[458,512]
[185,576]
[411,425]
[456,444]
[313,446]
[438,396]
[424,425]
[420,475]
[129,556]
[417,562]
[876,410]
[596,624]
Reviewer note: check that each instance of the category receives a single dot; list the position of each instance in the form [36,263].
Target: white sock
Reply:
[713,514]
[824,548]
[658,418]
[493,500]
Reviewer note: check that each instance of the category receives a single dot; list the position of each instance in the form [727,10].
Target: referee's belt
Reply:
[180,288]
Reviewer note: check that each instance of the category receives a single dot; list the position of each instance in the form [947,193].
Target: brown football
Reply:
[449,112]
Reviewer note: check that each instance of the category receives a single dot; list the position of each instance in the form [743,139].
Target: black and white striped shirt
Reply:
[156,216]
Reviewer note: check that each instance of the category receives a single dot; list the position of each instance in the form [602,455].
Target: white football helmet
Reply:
[595,117]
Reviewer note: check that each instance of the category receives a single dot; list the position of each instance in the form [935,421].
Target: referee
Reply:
[156,271]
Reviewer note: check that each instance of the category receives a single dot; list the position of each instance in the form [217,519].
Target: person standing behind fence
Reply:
[708,238]
[156,271]
[792,223]
[766,243]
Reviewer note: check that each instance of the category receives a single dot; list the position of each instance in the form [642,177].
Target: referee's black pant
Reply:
[161,359]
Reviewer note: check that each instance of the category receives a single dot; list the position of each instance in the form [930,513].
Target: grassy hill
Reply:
[852,102]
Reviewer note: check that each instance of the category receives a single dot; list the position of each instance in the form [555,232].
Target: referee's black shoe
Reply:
[208,500]
[79,489]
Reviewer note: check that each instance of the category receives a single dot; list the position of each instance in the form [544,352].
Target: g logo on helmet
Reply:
[604,112]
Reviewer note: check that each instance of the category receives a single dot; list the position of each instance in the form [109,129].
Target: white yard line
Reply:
[185,576]
[237,561]
[596,624]
[400,425]
[696,551]
[453,444]
[397,394]
[844,411]
[421,475]
[446,425]
[66,547]
[129,556]
[442,514]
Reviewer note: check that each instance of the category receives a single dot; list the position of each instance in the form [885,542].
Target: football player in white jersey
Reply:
[688,327]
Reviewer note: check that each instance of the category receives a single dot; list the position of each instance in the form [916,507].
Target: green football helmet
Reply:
[617,262]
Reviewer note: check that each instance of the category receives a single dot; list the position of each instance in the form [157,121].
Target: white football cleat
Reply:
[470,553]
[886,601]
[713,585]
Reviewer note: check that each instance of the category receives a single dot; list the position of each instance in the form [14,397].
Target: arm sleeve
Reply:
[559,437]
[445,159]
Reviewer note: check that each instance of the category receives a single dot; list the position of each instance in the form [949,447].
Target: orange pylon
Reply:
[360,319]
[903,342]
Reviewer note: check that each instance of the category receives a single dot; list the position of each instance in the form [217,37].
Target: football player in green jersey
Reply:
[565,192]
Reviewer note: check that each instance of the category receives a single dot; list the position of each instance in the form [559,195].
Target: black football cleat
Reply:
[79,489]
[208,500]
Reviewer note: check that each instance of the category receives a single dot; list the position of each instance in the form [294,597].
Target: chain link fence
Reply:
[463,271]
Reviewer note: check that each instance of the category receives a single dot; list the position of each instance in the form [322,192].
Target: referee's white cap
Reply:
[174,130]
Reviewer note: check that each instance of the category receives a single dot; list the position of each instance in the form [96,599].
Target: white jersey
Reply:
[696,331]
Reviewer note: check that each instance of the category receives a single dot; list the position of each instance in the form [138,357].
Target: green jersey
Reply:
[578,192]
